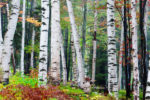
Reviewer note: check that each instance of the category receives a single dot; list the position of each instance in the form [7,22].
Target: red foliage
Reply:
[34,73]
[28,93]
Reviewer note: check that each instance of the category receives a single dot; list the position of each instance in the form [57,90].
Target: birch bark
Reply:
[112,62]
[8,39]
[63,60]
[32,53]
[23,37]
[76,43]
[147,93]
[55,42]
[1,39]
[121,52]
[42,76]
[134,50]
[74,66]
[94,43]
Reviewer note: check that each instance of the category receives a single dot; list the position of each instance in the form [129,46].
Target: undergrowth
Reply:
[26,88]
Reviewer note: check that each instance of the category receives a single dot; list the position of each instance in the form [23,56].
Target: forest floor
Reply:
[26,88]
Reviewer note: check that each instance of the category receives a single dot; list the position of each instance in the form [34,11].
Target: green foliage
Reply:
[28,48]
[26,88]
[25,80]
[122,95]
[97,96]
[74,92]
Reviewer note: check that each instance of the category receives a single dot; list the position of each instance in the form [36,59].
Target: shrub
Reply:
[20,92]
[74,92]
[25,80]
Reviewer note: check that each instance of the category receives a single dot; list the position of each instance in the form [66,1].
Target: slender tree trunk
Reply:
[1,39]
[8,39]
[112,62]
[74,65]
[134,50]
[84,30]
[32,53]
[69,62]
[76,43]
[94,43]
[33,35]
[44,43]
[55,41]
[121,53]
[13,62]
[63,60]
[147,93]
[23,37]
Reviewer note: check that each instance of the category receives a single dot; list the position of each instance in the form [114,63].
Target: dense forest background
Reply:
[99,48]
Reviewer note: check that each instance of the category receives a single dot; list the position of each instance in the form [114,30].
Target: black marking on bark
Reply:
[42,70]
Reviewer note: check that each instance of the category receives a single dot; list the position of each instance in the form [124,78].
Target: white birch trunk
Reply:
[76,43]
[1,39]
[55,41]
[74,66]
[42,76]
[147,93]
[63,60]
[32,53]
[112,62]
[23,37]
[134,50]
[8,39]
[33,40]
[94,61]
[121,52]
[94,43]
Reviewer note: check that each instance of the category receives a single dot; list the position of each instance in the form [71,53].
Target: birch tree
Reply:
[32,52]
[134,50]
[147,93]
[74,66]
[94,43]
[8,39]
[55,41]
[63,60]
[42,76]
[1,39]
[23,37]
[33,38]
[121,52]
[76,43]
[112,62]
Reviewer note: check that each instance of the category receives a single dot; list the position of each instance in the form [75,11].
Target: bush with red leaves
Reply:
[26,93]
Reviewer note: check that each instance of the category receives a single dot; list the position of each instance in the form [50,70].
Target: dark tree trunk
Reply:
[143,46]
